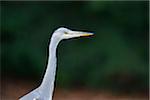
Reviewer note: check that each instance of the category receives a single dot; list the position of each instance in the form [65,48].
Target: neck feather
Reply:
[47,85]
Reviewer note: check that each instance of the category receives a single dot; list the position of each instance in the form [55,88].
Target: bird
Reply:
[46,88]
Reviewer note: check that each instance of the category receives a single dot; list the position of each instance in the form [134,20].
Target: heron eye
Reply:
[65,32]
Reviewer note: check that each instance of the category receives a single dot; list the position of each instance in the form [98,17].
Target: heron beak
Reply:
[73,34]
[81,34]
[84,34]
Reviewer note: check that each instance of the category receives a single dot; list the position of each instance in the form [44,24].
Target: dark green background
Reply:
[116,58]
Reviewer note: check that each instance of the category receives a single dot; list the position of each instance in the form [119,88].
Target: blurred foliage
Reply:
[115,58]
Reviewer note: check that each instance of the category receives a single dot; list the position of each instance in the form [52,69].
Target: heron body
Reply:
[45,90]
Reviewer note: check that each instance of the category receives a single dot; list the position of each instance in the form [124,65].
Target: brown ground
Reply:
[13,89]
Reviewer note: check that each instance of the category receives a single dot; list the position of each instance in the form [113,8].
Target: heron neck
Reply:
[47,85]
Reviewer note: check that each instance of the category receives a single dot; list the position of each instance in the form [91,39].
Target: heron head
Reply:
[64,33]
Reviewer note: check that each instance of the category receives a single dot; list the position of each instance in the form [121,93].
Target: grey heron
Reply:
[45,90]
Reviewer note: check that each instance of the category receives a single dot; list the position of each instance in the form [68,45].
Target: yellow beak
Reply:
[80,34]
[87,34]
